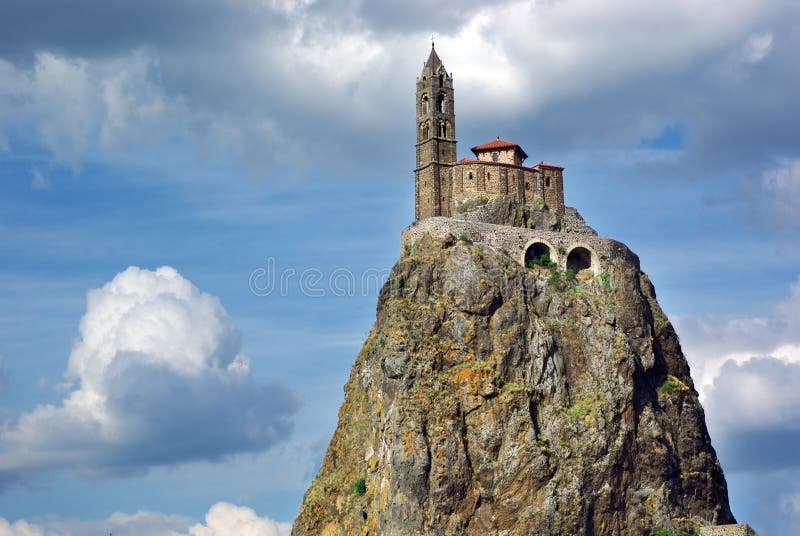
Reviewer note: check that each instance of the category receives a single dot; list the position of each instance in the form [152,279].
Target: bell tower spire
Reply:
[436,139]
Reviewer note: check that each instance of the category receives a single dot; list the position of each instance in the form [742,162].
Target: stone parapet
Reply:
[742,529]
[515,241]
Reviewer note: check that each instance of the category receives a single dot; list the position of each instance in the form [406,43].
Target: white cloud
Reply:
[222,519]
[19,528]
[756,48]
[64,97]
[747,372]
[226,519]
[790,503]
[759,392]
[316,71]
[79,106]
[133,102]
[38,180]
[160,380]
[782,189]
[529,54]
[711,342]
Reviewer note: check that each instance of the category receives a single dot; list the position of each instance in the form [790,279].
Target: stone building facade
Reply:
[445,186]
[493,197]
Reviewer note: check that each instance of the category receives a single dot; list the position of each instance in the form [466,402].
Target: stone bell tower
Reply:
[436,140]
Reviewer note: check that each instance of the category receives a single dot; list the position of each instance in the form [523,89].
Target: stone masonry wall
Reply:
[573,222]
[514,241]
[742,529]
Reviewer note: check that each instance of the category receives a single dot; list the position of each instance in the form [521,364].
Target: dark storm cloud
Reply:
[736,117]
[443,17]
[91,28]
[267,80]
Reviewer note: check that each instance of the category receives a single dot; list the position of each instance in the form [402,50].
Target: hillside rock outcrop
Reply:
[493,399]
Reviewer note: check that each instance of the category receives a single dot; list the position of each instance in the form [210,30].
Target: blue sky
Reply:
[220,139]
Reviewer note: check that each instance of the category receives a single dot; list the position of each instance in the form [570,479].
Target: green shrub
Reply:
[359,487]
[541,260]
[605,280]
[667,532]
[557,280]
[562,281]
[670,385]
[463,237]
[580,409]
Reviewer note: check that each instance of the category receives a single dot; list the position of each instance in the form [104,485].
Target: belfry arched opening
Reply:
[579,259]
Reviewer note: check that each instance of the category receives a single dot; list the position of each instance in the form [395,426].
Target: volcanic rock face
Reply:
[495,399]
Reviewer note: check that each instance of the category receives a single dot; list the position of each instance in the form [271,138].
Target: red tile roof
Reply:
[551,166]
[498,144]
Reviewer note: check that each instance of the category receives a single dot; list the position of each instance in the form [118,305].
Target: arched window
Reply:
[441,80]
[425,130]
[425,104]
[547,181]
[440,103]
[579,259]
[538,254]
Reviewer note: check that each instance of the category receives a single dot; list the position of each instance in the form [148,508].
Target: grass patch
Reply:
[670,385]
[579,409]
[605,280]
[359,487]
[563,281]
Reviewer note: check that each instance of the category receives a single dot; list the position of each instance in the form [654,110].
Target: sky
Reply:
[198,200]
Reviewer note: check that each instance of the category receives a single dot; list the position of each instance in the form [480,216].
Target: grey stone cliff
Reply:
[495,399]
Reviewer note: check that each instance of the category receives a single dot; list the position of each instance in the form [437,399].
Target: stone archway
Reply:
[538,253]
[580,258]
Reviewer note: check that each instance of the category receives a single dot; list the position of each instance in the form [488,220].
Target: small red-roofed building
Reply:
[500,151]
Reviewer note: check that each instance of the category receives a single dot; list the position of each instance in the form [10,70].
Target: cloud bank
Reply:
[747,371]
[263,81]
[222,519]
[158,379]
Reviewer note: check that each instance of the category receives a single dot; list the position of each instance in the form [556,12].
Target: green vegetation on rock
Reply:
[670,385]
[667,532]
[359,487]
[541,260]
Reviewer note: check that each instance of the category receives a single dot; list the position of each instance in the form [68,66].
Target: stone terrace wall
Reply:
[514,241]
[574,223]
[742,529]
